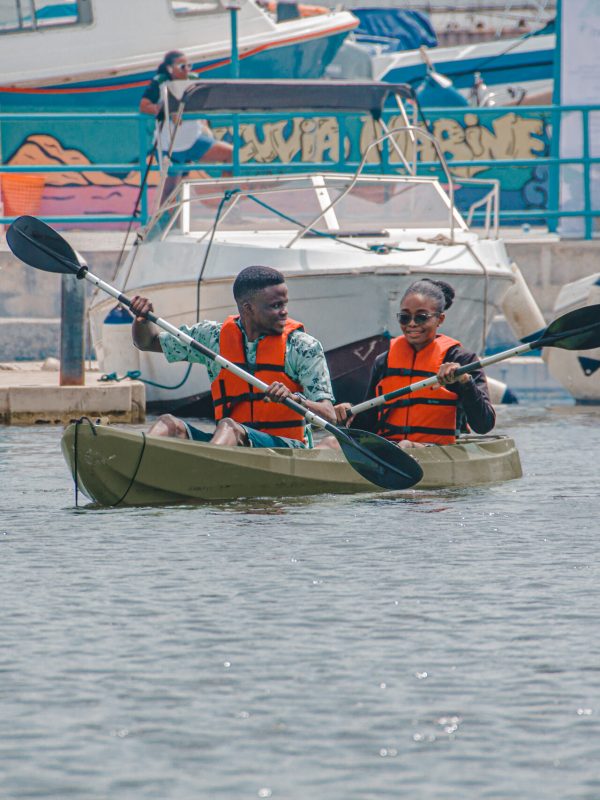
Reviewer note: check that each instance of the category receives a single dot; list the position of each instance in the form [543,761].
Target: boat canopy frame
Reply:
[263,96]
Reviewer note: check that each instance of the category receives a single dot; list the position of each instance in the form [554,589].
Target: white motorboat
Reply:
[349,245]
[102,53]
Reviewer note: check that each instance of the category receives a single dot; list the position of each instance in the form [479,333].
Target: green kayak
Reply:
[119,466]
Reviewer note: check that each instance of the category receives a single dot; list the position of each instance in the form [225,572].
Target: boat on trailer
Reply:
[117,466]
[348,244]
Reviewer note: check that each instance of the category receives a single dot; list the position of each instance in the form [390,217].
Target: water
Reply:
[437,647]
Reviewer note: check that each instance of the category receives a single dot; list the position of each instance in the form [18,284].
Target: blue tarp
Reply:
[394,28]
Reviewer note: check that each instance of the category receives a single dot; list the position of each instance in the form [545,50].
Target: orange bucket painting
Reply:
[21,193]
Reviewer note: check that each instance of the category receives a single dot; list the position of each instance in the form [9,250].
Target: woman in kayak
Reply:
[268,343]
[432,415]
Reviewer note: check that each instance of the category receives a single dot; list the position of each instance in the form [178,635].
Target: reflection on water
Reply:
[429,645]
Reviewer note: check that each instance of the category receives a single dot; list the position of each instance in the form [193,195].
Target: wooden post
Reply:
[72,332]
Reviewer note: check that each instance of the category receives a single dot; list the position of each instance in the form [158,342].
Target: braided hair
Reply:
[439,291]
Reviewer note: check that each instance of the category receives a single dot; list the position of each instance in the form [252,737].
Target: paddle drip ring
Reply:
[135,472]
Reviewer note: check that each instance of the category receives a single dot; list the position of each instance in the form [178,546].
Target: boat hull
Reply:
[115,466]
[525,61]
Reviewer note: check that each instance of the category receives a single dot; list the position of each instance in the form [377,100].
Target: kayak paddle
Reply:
[575,330]
[378,460]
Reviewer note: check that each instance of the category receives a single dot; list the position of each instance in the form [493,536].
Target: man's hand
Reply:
[278,392]
[143,332]
[140,307]
[447,374]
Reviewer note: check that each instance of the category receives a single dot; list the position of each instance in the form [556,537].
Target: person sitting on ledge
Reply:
[193,139]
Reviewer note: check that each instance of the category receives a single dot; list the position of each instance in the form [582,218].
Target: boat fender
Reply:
[118,353]
[500,394]
[520,308]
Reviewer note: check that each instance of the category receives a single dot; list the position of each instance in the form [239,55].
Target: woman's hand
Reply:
[447,374]
[342,414]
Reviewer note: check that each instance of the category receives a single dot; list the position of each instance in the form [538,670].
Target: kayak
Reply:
[114,466]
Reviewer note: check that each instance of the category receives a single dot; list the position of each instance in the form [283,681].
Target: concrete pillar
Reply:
[72,332]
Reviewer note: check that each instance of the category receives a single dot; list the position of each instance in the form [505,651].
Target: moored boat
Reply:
[68,56]
[578,371]
[116,466]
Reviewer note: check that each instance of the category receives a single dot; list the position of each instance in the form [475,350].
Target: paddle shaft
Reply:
[543,341]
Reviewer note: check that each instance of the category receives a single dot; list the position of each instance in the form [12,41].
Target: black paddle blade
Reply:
[378,460]
[576,330]
[38,245]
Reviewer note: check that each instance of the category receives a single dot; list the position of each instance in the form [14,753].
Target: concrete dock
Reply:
[31,395]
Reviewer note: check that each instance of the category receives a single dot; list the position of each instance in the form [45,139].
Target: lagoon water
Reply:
[436,646]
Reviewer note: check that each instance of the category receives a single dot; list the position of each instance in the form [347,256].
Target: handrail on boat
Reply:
[411,130]
[491,201]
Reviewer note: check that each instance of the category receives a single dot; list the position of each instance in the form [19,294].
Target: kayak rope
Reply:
[136,375]
[78,422]
[135,472]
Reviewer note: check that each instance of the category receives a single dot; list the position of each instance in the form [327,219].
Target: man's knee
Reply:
[230,430]
[168,425]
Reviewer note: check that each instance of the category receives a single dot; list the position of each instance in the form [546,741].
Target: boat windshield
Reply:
[321,204]
[16,15]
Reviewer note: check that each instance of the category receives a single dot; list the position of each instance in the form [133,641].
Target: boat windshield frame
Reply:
[330,194]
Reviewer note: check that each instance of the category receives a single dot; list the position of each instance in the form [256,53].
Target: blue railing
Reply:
[527,161]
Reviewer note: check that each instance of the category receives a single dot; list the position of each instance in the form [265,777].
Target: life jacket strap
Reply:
[388,429]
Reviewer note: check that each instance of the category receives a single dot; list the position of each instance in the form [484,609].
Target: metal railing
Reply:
[550,166]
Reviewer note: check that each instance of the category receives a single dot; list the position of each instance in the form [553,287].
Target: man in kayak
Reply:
[432,415]
[265,341]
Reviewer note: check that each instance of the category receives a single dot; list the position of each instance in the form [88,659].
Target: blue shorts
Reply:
[194,153]
[256,438]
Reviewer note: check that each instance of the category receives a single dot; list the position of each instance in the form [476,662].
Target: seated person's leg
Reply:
[262,439]
[168,425]
[219,152]
[330,442]
[206,148]
[229,433]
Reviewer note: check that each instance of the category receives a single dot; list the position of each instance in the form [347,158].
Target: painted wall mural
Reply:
[469,136]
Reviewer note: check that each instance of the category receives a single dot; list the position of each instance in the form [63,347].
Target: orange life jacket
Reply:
[428,415]
[236,398]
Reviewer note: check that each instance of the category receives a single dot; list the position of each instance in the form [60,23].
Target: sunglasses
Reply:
[420,318]
[182,66]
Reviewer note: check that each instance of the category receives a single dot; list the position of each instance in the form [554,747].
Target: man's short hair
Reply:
[253,279]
